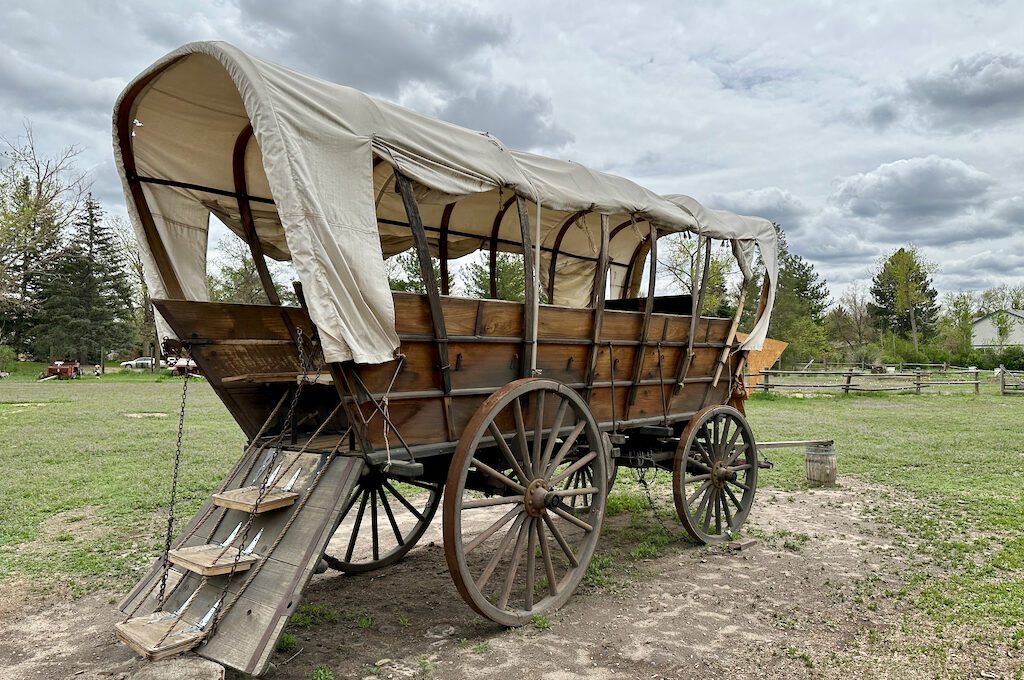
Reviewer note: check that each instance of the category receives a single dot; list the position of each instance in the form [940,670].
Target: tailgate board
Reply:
[248,633]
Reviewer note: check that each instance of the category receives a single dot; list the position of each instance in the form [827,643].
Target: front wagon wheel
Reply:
[714,474]
[514,547]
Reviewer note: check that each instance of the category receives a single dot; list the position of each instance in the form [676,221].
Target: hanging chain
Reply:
[641,477]
[174,482]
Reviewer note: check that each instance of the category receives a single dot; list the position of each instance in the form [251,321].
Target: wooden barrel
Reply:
[820,464]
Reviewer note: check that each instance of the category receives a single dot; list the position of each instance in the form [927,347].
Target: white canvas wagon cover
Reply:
[321,197]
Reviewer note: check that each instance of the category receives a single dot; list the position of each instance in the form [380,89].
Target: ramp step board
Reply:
[247,499]
[253,618]
[158,635]
[211,560]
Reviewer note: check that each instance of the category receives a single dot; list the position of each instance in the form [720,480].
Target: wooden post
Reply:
[977,382]
[849,377]
[638,361]
[530,304]
[917,379]
[1002,380]
[429,283]
[766,384]
[597,300]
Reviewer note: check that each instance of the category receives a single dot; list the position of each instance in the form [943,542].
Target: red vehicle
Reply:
[62,370]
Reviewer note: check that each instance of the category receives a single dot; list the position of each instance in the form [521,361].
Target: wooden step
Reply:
[211,560]
[159,635]
[245,499]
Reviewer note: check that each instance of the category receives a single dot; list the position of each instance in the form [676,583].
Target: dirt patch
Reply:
[814,597]
[81,524]
[145,415]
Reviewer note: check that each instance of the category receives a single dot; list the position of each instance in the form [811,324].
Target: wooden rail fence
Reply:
[1010,382]
[866,381]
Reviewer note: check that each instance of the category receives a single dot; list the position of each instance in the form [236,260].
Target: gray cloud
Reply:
[772,203]
[981,88]
[913,188]
[519,118]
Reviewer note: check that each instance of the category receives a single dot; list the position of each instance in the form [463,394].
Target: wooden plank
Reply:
[158,635]
[246,499]
[211,559]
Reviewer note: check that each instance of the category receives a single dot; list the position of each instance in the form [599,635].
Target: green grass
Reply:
[68,447]
[85,488]
[311,615]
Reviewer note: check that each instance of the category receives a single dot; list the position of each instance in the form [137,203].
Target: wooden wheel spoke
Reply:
[732,496]
[391,518]
[572,519]
[490,502]
[741,468]
[728,515]
[585,460]
[521,439]
[489,531]
[549,567]
[422,485]
[531,563]
[351,503]
[538,429]
[494,474]
[699,464]
[507,452]
[707,517]
[565,448]
[506,541]
[577,491]
[718,512]
[375,539]
[737,484]
[355,529]
[693,497]
[513,568]
[560,540]
[401,499]
[553,436]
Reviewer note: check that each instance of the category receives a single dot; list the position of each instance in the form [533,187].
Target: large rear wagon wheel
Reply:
[514,547]
[714,474]
[382,520]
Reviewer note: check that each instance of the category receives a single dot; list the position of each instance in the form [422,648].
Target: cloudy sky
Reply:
[857,126]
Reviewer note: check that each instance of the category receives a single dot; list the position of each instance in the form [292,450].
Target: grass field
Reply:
[86,469]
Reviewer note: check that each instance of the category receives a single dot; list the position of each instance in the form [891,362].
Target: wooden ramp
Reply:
[272,577]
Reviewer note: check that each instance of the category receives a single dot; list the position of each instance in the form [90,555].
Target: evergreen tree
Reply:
[404,273]
[87,296]
[904,299]
[509,275]
[801,298]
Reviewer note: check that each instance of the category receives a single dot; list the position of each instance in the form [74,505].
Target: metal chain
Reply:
[174,484]
[641,477]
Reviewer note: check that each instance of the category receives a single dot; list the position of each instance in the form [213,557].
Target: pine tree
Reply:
[904,299]
[404,273]
[87,296]
[509,276]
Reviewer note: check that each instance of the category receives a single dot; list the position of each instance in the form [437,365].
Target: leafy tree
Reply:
[234,277]
[39,198]
[87,294]
[904,299]
[1004,324]
[682,259]
[7,357]
[850,321]
[404,273]
[957,323]
[509,274]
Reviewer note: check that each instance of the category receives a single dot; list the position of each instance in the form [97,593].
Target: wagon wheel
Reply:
[582,479]
[513,549]
[714,474]
[382,520]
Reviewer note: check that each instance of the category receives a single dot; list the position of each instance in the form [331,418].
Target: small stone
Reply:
[191,667]
[439,631]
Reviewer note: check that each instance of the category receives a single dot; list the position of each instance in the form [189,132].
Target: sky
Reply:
[858,127]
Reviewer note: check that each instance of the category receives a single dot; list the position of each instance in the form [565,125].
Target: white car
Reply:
[142,362]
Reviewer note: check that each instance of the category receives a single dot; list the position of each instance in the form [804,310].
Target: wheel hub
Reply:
[539,497]
[720,474]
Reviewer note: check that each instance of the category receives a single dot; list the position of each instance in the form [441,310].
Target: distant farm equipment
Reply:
[62,370]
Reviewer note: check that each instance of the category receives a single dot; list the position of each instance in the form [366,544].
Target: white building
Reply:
[985,334]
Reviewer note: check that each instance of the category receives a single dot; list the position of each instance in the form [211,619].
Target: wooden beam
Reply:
[442,247]
[125,123]
[731,337]
[530,306]
[555,249]
[597,299]
[429,284]
[494,244]
[638,362]
[245,213]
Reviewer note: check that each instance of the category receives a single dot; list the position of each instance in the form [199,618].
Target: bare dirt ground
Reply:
[814,597]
